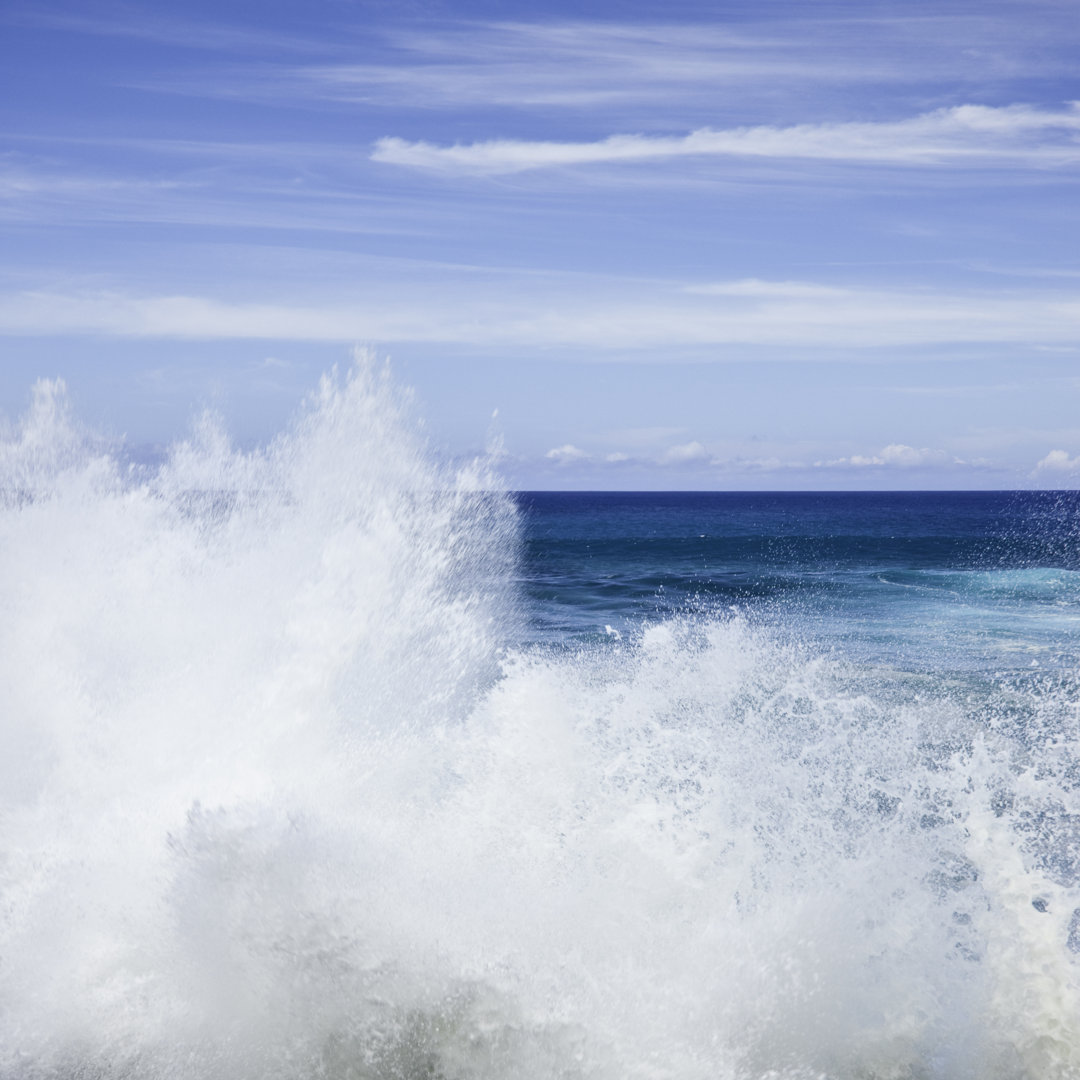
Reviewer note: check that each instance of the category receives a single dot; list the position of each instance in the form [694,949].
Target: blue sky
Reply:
[762,245]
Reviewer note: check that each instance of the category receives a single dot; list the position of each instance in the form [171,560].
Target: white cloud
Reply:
[683,454]
[757,464]
[686,454]
[895,460]
[566,454]
[1013,135]
[895,455]
[899,454]
[1058,461]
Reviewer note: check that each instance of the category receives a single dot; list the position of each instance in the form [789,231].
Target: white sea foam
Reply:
[277,801]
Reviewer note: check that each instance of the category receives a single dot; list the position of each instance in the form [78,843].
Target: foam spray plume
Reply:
[278,799]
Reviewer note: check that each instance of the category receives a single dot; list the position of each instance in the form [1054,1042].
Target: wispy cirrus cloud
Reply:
[1010,136]
[234,185]
[130,21]
[19,183]
[650,67]
[528,311]
[577,65]
[757,289]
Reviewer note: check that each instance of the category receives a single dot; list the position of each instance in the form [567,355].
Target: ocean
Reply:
[979,581]
[332,760]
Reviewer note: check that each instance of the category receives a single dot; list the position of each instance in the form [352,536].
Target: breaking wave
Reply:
[279,799]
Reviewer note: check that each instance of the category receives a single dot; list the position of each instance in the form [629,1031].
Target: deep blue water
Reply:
[921,581]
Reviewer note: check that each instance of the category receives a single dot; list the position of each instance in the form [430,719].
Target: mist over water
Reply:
[283,795]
